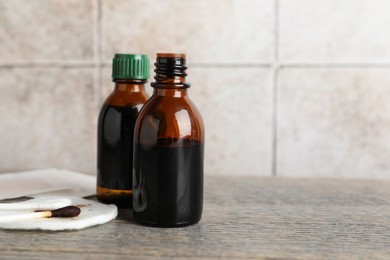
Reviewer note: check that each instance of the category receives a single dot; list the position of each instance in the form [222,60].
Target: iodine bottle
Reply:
[168,151]
[116,129]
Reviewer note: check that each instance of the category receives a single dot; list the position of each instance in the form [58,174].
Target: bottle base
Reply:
[121,198]
[165,224]
[159,225]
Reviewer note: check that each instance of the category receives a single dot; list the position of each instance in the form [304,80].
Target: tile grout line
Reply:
[325,64]
[231,65]
[274,91]
[98,53]
[275,74]
[49,64]
[275,64]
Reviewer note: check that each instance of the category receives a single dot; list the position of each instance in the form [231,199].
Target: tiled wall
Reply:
[286,87]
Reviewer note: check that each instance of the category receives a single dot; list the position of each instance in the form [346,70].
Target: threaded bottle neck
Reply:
[170,71]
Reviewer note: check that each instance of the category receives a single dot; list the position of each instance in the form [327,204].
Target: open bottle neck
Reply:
[170,72]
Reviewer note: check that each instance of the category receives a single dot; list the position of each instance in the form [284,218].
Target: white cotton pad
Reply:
[47,203]
[92,213]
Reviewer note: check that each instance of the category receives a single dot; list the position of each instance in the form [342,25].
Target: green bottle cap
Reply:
[130,66]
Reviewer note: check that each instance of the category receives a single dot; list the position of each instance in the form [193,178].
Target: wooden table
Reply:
[244,217]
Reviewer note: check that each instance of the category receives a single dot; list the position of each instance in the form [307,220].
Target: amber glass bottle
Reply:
[168,151]
[116,129]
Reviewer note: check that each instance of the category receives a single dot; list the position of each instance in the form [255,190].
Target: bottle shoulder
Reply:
[164,108]
[169,117]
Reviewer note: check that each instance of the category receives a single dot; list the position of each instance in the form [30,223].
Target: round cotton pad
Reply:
[92,213]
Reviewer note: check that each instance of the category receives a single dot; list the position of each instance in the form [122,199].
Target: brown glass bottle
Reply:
[168,151]
[116,129]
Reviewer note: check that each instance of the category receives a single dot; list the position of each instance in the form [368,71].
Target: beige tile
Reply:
[50,30]
[334,123]
[334,30]
[48,119]
[238,31]
[236,109]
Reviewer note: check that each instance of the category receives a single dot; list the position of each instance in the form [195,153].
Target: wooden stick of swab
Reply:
[66,212]
[54,203]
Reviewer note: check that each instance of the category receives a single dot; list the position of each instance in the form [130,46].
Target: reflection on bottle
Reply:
[139,195]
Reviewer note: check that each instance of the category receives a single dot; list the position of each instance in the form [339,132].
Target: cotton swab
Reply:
[37,204]
[66,212]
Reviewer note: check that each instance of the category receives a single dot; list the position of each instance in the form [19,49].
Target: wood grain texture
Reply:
[243,218]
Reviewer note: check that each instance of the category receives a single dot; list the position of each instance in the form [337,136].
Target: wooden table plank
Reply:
[244,217]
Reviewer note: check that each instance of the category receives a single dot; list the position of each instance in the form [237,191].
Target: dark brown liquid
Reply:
[168,183]
[115,153]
